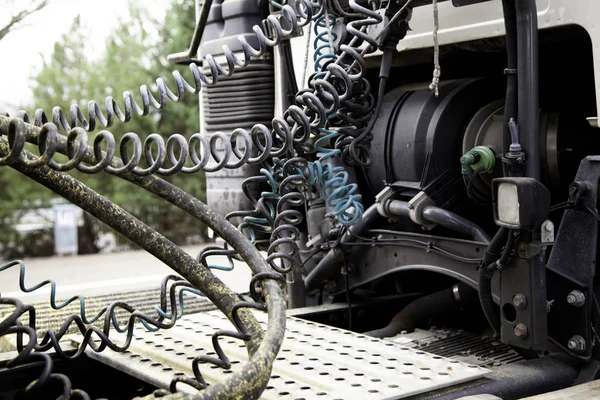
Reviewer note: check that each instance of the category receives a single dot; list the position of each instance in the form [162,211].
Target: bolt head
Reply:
[577,344]
[573,189]
[576,298]
[519,301]
[520,330]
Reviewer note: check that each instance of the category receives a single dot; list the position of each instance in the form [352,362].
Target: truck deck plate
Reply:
[315,362]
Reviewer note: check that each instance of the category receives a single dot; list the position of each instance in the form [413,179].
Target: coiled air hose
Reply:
[261,348]
[309,115]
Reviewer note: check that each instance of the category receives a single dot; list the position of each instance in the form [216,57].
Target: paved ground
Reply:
[93,275]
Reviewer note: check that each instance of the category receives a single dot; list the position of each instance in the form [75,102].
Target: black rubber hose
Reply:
[484,281]
[528,85]
[456,223]
[511,101]
[417,313]
[326,268]
[438,216]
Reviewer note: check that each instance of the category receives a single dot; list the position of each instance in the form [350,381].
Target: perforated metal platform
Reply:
[315,362]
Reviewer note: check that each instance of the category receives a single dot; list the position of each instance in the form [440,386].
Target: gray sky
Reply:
[26,46]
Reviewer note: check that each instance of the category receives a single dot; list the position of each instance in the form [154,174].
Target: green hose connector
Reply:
[480,157]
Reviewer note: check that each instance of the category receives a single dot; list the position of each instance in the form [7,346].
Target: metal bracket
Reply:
[573,261]
[381,199]
[416,205]
[523,303]
[547,232]
[189,56]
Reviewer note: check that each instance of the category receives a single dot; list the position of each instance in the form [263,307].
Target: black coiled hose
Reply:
[252,379]
[12,326]
[294,18]
[170,287]
[311,113]
[342,97]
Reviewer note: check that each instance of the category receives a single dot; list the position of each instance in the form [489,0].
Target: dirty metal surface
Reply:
[460,345]
[315,362]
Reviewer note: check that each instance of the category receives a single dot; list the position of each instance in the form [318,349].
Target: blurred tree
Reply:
[182,117]
[18,17]
[134,55]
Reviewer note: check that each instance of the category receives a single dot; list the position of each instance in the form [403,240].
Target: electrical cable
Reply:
[415,243]
[306,51]
[310,256]
[562,206]
[293,18]
[336,189]
[469,181]
[506,253]
[311,113]
[484,278]
[357,151]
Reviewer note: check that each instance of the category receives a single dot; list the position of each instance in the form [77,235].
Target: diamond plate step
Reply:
[315,362]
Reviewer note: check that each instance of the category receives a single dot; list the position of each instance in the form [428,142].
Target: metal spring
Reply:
[11,325]
[295,17]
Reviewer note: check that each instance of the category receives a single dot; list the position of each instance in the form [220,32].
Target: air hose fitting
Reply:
[480,158]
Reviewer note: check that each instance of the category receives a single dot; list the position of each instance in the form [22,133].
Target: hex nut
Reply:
[519,301]
[577,344]
[576,298]
[520,330]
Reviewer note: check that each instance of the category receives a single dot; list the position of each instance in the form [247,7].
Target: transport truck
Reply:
[413,184]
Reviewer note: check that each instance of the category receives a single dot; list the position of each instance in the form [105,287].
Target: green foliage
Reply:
[132,57]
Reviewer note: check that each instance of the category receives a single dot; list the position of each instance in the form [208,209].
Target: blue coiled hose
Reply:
[322,40]
[339,194]
[334,180]
[335,184]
